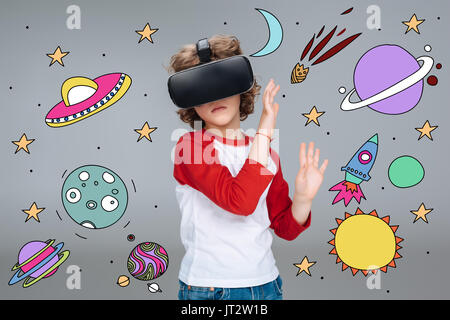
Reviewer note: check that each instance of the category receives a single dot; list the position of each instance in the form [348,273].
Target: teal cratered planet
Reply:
[94,196]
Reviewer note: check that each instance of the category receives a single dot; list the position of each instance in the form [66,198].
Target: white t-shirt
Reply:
[228,203]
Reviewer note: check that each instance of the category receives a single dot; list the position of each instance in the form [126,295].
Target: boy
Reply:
[231,190]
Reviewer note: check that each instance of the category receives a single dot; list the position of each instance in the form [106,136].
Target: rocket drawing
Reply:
[356,171]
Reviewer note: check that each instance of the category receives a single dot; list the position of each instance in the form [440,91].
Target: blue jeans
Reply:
[268,291]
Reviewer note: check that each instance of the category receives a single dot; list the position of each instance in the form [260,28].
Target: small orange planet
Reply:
[123,281]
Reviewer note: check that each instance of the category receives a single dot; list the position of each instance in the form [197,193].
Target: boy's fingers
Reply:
[272,89]
[274,92]
[270,85]
[276,107]
[266,97]
[323,166]
[310,152]
[302,154]
[316,158]
[267,90]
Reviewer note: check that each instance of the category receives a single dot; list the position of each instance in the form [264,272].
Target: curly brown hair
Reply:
[222,46]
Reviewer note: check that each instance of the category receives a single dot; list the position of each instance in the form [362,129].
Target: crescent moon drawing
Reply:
[275,34]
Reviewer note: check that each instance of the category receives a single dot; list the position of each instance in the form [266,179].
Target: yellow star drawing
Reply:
[23,143]
[426,130]
[33,212]
[145,132]
[413,23]
[57,56]
[304,266]
[313,115]
[421,213]
[146,33]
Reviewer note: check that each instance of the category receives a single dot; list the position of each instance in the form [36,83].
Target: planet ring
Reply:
[61,258]
[16,278]
[346,105]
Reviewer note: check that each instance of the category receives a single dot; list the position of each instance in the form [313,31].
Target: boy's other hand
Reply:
[310,176]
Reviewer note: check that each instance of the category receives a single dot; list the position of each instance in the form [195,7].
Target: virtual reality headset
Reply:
[210,80]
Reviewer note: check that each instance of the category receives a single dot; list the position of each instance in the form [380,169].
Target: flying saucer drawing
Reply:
[83,97]
[388,79]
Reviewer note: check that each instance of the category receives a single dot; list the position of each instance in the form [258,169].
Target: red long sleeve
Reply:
[279,206]
[197,165]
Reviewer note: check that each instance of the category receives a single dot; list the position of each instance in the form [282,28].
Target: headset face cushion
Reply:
[210,81]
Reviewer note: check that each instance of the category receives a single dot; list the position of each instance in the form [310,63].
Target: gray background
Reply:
[108,27]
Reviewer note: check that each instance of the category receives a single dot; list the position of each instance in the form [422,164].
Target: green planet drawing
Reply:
[405,172]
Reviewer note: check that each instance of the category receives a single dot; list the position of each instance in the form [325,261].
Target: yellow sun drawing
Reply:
[365,242]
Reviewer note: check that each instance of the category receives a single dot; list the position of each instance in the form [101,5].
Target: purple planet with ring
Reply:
[388,79]
[38,260]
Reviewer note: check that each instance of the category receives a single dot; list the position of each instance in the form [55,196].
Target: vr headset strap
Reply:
[203,50]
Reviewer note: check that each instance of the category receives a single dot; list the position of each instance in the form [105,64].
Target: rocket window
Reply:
[365,157]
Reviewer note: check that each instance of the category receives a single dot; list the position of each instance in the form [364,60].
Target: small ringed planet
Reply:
[153,287]
[123,281]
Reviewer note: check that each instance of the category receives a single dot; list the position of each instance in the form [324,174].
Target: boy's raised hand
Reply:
[260,148]
[270,108]
[310,176]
